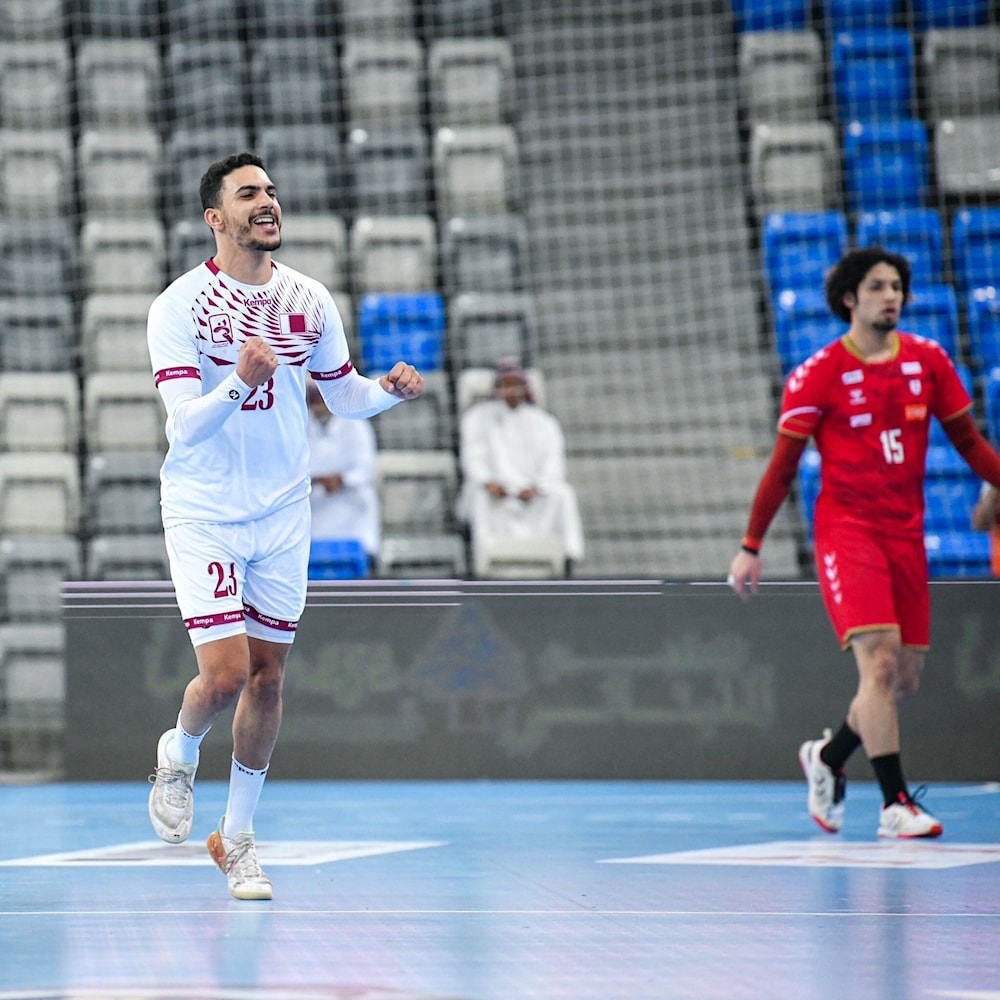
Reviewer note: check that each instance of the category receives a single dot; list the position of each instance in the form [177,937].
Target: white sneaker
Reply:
[237,858]
[905,820]
[827,789]
[171,801]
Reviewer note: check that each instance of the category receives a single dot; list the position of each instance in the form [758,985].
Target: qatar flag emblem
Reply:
[293,324]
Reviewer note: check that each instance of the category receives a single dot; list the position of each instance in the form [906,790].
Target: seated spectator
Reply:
[344,496]
[513,462]
[984,518]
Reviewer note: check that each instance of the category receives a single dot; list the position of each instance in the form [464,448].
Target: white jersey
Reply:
[253,459]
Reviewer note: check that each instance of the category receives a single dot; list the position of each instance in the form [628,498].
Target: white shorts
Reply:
[249,577]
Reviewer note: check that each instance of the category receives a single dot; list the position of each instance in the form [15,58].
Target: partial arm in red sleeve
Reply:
[774,485]
[974,448]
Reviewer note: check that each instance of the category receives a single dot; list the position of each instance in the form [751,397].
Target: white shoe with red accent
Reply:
[905,820]
[827,788]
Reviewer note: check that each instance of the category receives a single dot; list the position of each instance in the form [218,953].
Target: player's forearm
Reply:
[356,397]
[192,417]
[774,486]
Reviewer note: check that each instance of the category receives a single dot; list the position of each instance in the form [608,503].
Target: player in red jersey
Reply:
[867,400]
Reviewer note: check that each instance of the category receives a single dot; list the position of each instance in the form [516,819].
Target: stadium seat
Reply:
[187,154]
[118,81]
[36,172]
[484,253]
[803,324]
[393,253]
[33,20]
[298,80]
[306,163]
[383,82]
[781,75]
[206,84]
[929,14]
[378,18]
[462,18]
[886,164]
[113,332]
[122,411]
[475,170]
[799,247]
[127,557]
[415,557]
[425,422]
[32,571]
[122,492]
[991,404]
[316,244]
[950,490]
[35,84]
[123,254]
[469,81]
[794,167]
[189,243]
[39,493]
[389,170]
[119,171]
[337,559]
[967,151]
[540,558]
[192,20]
[964,554]
[933,312]
[297,20]
[39,333]
[851,15]
[39,411]
[962,71]
[771,15]
[916,233]
[38,258]
[417,491]
[485,327]
[982,311]
[873,74]
[402,327]
[975,247]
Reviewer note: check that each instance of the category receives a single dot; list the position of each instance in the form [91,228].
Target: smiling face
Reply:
[248,212]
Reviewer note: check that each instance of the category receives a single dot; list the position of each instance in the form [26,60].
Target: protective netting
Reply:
[637,198]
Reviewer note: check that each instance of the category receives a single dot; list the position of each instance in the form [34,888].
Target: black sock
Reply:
[845,741]
[889,772]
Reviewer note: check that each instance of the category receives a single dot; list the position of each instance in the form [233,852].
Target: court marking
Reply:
[821,854]
[274,853]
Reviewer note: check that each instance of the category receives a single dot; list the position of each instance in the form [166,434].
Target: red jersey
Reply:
[871,423]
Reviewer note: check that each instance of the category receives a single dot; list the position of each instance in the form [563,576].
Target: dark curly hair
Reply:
[848,273]
[211,181]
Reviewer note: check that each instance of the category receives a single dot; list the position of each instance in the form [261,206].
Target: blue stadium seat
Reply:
[799,247]
[808,479]
[337,559]
[982,312]
[933,312]
[928,14]
[916,233]
[950,490]
[849,15]
[886,164]
[803,324]
[958,554]
[403,327]
[975,247]
[991,405]
[938,437]
[771,15]
[873,74]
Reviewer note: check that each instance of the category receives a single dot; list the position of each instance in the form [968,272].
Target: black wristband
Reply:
[750,549]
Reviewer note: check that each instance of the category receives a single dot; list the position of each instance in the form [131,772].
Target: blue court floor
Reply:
[501,891]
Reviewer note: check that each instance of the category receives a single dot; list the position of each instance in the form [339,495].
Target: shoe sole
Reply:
[934,831]
[218,853]
[819,821]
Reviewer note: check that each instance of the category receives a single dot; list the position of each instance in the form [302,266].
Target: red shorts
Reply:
[872,581]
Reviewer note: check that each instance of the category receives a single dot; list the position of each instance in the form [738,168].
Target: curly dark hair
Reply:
[211,181]
[848,273]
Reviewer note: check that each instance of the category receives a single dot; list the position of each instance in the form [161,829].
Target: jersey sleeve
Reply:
[331,354]
[951,399]
[802,398]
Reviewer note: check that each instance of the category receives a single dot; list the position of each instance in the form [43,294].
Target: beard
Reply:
[884,325]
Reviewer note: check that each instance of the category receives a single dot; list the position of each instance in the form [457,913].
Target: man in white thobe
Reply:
[513,459]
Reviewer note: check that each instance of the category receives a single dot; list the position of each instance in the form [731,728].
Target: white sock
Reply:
[245,785]
[184,745]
